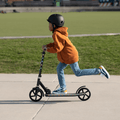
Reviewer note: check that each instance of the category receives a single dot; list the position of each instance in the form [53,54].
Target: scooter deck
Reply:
[64,95]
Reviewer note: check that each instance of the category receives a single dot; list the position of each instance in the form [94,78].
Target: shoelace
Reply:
[103,72]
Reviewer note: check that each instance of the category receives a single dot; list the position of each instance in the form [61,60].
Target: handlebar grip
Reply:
[45,48]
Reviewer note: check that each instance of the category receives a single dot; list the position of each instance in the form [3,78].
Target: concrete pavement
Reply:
[15,104]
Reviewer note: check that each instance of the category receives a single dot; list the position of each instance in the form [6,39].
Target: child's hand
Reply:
[44,47]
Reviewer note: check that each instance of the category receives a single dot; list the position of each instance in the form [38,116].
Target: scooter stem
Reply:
[41,63]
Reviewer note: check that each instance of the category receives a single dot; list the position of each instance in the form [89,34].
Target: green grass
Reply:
[34,24]
[24,55]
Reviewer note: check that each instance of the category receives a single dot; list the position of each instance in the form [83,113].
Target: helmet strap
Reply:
[53,28]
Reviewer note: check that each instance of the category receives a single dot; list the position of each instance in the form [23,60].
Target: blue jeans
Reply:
[76,70]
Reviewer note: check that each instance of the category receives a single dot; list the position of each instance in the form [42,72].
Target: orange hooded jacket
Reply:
[66,51]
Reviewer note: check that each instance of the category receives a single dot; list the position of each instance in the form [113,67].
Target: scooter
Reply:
[37,93]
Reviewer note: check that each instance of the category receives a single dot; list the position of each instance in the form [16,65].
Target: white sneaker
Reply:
[104,72]
[60,91]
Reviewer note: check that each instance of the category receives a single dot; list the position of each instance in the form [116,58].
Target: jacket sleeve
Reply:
[50,45]
[57,45]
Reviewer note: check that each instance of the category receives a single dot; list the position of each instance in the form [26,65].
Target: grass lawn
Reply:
[35,24]
[24,55]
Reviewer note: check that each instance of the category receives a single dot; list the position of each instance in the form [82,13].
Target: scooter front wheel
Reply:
[85,94]
[36,94]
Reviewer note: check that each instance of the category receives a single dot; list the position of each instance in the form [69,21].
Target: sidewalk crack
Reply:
[39,110]
[54,79]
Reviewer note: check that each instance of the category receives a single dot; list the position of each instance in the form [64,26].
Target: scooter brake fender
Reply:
[80,88]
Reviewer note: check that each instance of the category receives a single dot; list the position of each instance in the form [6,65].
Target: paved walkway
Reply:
[15,104]
[49,36]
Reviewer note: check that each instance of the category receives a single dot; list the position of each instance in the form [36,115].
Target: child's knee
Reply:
[78,73]
[58,69]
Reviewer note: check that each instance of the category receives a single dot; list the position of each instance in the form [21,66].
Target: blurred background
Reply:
[26,3]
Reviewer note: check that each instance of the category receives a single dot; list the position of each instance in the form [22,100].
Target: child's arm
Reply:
[57,45]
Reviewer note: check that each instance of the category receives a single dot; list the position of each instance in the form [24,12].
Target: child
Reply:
[66,53]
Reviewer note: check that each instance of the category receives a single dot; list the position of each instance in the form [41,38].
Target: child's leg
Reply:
[60,73]
[79,72]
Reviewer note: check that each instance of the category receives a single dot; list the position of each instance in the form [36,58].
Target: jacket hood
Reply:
[62,30]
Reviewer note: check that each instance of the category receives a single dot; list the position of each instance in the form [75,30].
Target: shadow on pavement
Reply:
[31,102]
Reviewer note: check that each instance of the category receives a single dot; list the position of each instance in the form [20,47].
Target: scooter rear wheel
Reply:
[85,94]
[36,94]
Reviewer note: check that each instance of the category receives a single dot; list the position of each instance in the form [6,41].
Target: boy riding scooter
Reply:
[67,54]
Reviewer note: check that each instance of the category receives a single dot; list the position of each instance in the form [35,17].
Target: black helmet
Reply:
[56,19]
